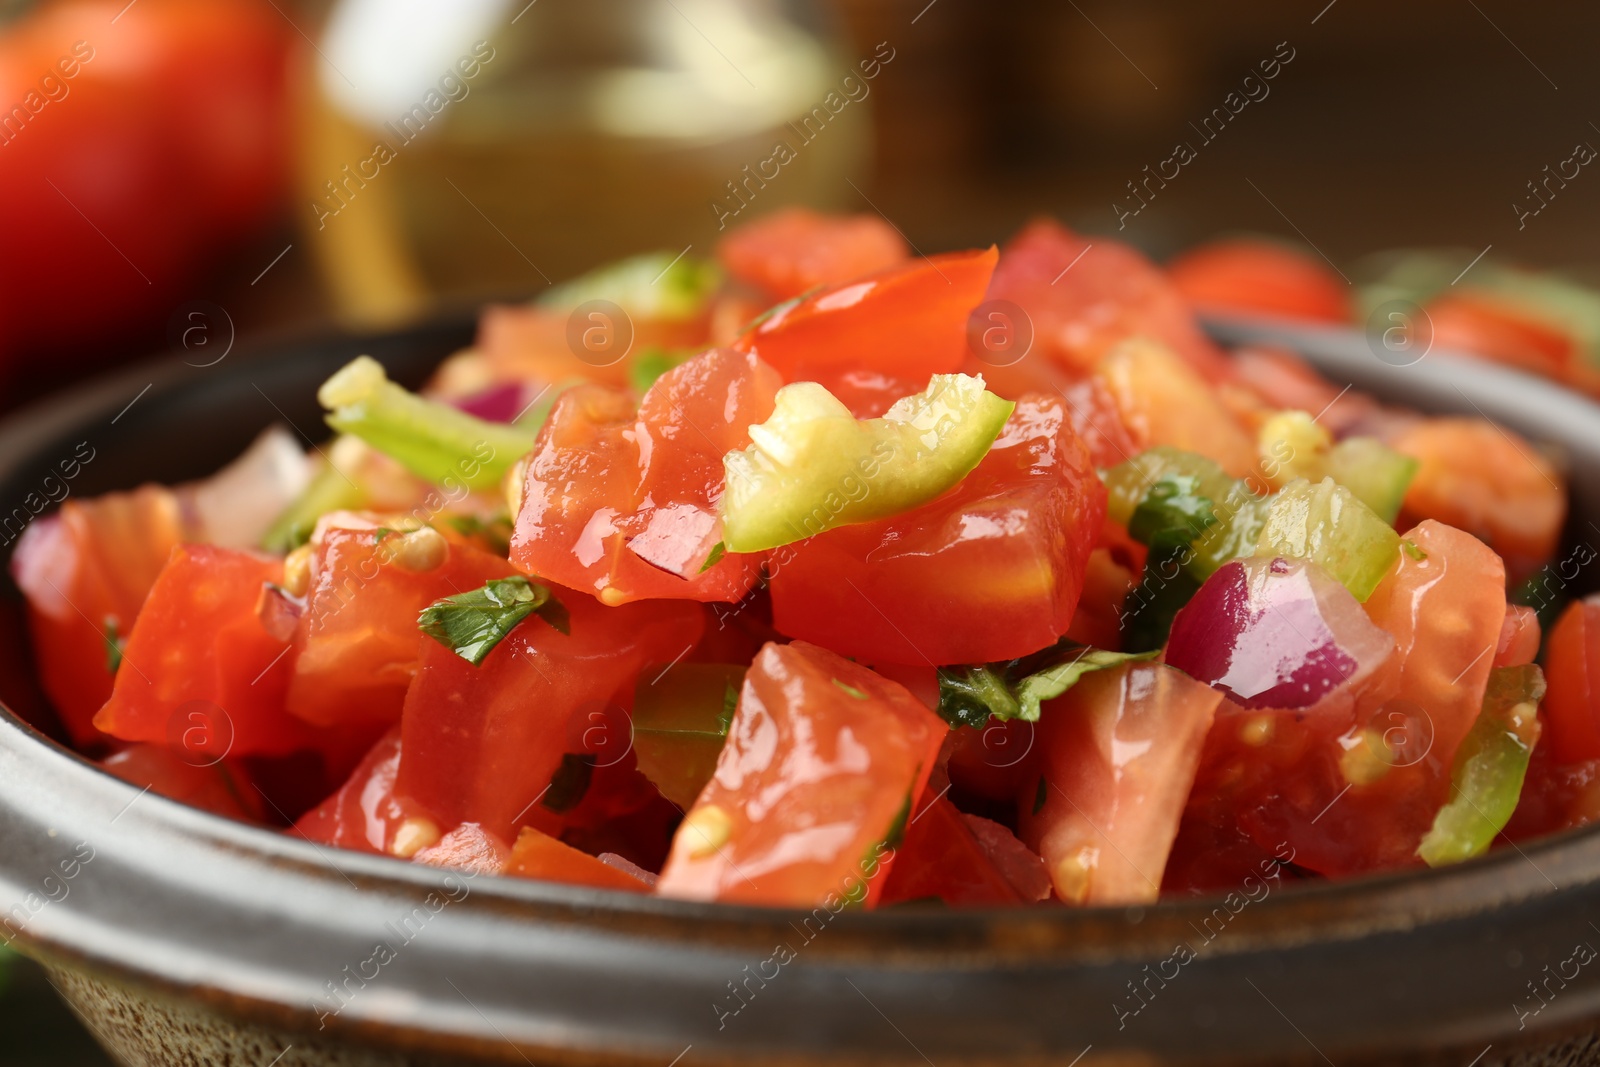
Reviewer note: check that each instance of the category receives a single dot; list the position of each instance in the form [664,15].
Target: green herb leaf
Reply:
[968,696]
[896,834]
[570,783]
[471,624]
[718,550]
[115,643]
[1411,549]
[1165,588]
[1173,513]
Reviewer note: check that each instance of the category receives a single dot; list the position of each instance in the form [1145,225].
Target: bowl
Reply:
[180,937]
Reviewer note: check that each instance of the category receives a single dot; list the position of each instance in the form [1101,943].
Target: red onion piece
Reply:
[498,403]
[1276,633]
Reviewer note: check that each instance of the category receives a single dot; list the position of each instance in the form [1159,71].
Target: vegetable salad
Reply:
[822,572]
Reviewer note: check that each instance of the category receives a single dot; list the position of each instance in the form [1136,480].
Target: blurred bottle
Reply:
[490,147]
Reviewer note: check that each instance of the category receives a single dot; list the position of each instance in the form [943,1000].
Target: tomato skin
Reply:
[812,778]
[482,743]
[908,322]
[470,848]
[365,812]
[221,789]
[198,641]
[1085,297]
[1495,328]
[542,857]
[1277,775]
[794,250]
[1118,753]
[94,560]
[991,570]
[1481,478]
[1571,706]
[1162,401]
[608,490]
[941,859]
[358,639]
[1519,637]
[997,761]
[1260,277]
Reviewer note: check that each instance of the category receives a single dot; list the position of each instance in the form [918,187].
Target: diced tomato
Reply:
[1496,328]
[990,570]
[215,787]
[996,761]
[940,859]
[1519,637]
[359,643]
[1572,673]
[1250,275]
[908,322]
[540,856]
[366,812]
[469,847]
[792,251]
[483,743]
[1163,401]
[1556,795]
[199,671]
[1481,478]
[1099,618]
[1098,421]
[1118,754]
[1354,789]
[1207,859]
[824,764]
[623,504]
[1285,382]
[1087,295]
[85,572]
[526,342]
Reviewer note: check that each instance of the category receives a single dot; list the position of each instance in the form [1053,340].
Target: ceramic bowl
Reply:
[187,939]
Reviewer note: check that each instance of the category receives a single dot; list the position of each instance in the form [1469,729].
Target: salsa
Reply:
[818,594]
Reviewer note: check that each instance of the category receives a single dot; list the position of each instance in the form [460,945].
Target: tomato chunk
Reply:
[483,743]
[909,321]
[1572,672]
[623,504]
[359,642]
[85,572]
[219,788]
[1085,296]
[794,250]
[469,847]
[1118,754]
[365,813]
[1481,478]
[824,764]
[1162,401]
[1519,637]
[991,570]
[1496,328]
[942,860]
[1261,277]
[540,856]
[199,671]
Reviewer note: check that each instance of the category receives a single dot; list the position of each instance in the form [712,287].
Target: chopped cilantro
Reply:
[718,550]
[471,624]
[1410,548]
[1014,689]
[115,643]
[1173,513]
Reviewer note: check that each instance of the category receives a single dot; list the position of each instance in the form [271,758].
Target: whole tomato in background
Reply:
[136,140]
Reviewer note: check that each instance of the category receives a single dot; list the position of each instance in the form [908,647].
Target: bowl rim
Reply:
[48,792]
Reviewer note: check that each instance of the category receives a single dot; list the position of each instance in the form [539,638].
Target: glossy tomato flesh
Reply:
[990,570]
[792,251]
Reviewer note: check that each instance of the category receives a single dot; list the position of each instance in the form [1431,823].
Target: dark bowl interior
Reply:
[1419,966]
